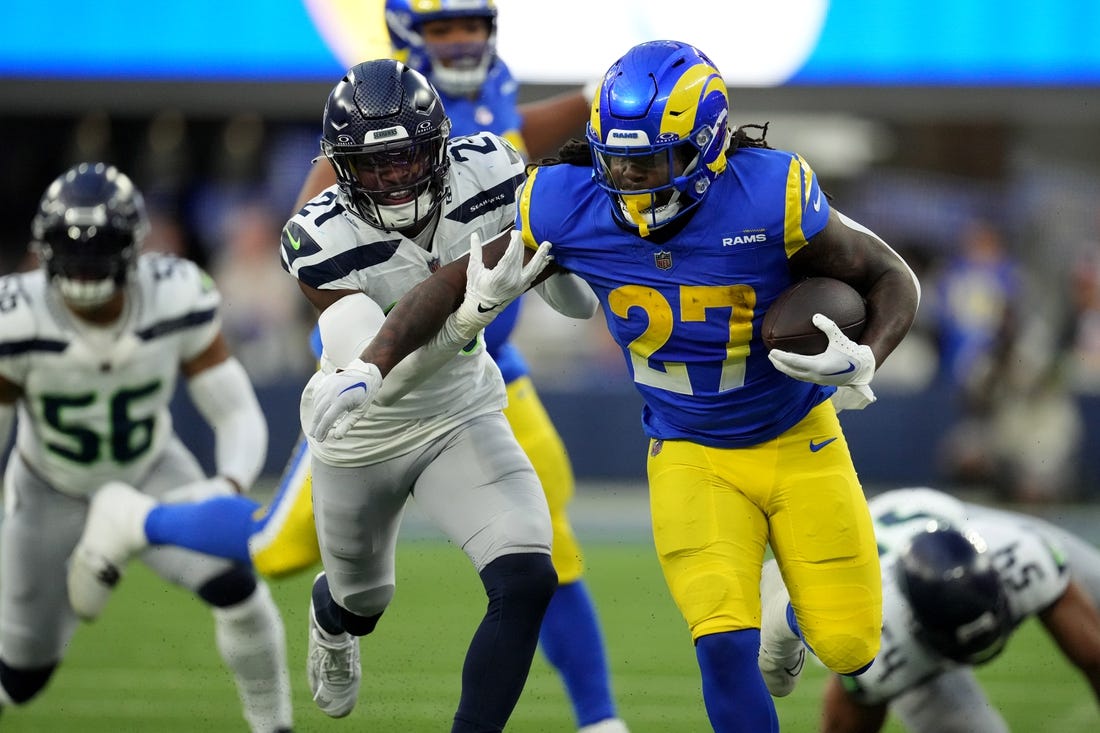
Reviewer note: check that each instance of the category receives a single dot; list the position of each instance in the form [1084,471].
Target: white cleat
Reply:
[114,532]
[333,670]
[610,725]
[782,654]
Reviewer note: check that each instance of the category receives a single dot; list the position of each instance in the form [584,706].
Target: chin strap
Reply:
[630,204]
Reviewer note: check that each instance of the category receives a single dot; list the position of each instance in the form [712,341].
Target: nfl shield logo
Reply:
[663,260]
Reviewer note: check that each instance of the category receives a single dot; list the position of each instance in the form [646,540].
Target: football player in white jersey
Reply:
[958,579]
[92,346]
[409,199]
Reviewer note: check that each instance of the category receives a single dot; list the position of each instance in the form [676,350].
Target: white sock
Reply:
[252,642]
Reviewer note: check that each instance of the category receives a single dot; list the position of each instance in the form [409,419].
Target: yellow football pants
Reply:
[715,509]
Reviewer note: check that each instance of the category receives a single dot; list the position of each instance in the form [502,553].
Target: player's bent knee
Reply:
[21,685]
[845,653]
[229,588]
[527,577]
[365,603]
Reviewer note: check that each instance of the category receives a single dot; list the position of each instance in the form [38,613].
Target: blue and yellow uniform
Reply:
[740,454]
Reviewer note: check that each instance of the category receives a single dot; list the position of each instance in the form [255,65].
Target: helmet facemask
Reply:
[90,268]
[459,69]
[395,185]
[652,185]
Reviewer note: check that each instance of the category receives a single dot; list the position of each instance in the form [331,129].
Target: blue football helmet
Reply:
[456,69]
[959,605]
[659,132]
[385,132]
[88,231]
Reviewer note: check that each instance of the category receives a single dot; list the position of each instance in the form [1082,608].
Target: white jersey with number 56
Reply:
[96,399]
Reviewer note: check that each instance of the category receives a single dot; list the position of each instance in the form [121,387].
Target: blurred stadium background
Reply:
[923,124]
[964,132]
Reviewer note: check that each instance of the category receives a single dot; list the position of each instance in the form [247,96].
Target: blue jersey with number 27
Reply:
[687,312]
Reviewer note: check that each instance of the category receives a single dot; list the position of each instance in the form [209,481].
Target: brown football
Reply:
[788,324]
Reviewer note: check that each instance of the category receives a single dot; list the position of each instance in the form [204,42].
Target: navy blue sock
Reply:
[219,526]
[519,588]
[736,698]
[572,643]
[334,618]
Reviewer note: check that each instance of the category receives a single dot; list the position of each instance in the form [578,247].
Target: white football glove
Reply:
[341,398]
[843,362]
[488,290]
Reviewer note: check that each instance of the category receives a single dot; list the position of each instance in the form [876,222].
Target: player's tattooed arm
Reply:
[422,312]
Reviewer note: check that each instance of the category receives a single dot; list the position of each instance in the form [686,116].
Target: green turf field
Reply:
[149,664]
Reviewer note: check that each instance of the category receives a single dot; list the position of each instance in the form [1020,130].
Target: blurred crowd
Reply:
[1009,262]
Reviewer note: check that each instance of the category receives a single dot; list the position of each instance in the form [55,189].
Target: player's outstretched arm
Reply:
[841,714]
[474,292]
[1074,623]
[220,389]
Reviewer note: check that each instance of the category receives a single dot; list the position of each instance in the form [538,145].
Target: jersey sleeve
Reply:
[302,257]
[1032,567]
[523,211]
[18,332]
[190,301]
[806,208]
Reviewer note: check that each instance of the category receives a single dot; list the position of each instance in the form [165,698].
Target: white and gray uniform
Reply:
[446,442]
[1035,560]
[95,407]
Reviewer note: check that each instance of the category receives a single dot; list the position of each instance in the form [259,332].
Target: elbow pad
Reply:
[224,396]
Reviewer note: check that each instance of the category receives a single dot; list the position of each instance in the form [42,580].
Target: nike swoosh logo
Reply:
[295,243]
[815,447]
[483,309]
[817,201]
[358,385]
[851,368]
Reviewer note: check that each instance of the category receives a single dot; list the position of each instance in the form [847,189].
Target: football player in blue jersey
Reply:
[687,232]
